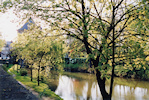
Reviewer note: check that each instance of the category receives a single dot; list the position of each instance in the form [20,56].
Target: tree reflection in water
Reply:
[78,89]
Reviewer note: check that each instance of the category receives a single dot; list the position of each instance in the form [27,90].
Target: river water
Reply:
[83,86]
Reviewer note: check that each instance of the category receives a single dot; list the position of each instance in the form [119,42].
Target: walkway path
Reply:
[10,89]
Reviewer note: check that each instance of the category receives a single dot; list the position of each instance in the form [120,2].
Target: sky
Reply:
[8,26]
[10,23]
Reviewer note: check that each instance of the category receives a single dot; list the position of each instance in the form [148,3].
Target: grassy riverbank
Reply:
[120,71]
[78,67]
[6,67]
[43,89]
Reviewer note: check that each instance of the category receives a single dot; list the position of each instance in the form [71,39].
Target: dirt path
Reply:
[10,89]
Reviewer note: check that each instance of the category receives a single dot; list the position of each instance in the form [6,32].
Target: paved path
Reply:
[10,89]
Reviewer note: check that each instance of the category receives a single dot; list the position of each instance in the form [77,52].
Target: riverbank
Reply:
[84,85]
[43,90]
[10,89]
[83,68]
[119,71]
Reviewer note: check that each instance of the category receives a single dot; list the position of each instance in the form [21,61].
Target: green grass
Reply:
[43,89]
[6,68]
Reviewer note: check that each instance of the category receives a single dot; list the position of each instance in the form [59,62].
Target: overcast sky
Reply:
[8,28]
[9,24]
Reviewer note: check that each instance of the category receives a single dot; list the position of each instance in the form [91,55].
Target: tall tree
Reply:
[36,47]
[100,25]
[2,42]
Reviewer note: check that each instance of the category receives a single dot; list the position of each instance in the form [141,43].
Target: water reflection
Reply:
[74,89]
[136,93]
[95,92]
[66,88]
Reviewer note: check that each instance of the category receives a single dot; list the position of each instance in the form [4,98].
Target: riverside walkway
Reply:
[10,89]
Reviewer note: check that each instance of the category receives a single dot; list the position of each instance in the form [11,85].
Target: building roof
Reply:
[26,25]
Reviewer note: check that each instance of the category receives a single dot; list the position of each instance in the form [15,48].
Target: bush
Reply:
[23,72]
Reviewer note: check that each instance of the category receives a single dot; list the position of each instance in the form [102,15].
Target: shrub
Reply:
[23,72]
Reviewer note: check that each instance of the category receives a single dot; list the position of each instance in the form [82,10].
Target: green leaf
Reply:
[71,25]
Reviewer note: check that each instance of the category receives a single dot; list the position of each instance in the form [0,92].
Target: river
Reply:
[83,86]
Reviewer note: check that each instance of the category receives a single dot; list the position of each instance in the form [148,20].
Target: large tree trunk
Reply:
[101,82]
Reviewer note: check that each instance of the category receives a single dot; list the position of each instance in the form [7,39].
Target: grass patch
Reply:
[43,89]
[6,67]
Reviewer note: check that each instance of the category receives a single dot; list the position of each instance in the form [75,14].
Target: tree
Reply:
[37,48]
[137,40]
[99,33]
[2,42]
[100,25]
